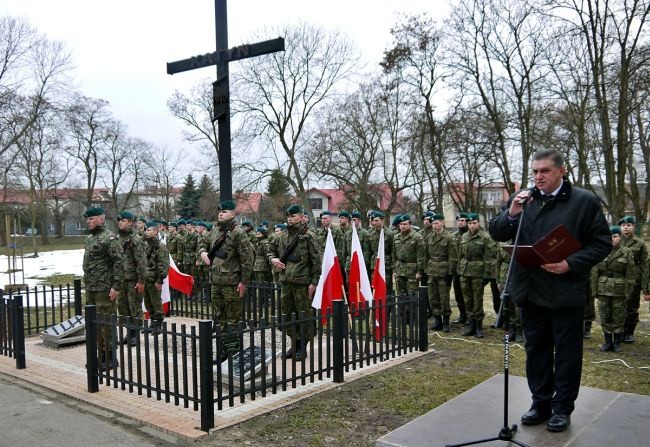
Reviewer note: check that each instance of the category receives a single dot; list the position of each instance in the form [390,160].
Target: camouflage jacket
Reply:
[304,264]
[408,254]
[441,254]
[172,245]
[135,262]
[103,263]
[477,255]
[645,278]
[615,275]
[639,253]
[234,260]
[370,247]
[180,247]
[337,235]
[157,260]
[191,248]
[261,248]
[343,247]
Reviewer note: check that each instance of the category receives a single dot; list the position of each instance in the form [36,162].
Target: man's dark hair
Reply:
[554,155]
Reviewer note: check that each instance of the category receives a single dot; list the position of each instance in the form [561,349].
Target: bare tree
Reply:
[163,175]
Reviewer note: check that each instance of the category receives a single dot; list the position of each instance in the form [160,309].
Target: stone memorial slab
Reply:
[70,331]
[252,365]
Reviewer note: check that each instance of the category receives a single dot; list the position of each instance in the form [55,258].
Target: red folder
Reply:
[553,247]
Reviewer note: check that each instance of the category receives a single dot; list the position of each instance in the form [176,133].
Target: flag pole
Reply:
[355,348]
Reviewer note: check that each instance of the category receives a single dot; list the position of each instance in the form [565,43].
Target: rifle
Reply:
[293,244]
[219,242]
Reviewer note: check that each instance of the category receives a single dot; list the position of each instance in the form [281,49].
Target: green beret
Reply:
[173,224]
[164,222]
[462,215]
[437,216]
[126,215]
[344,214]
[156,221]
[228,205]
[396,220]
[94,211]
[404,218]
[264,223]
[472,216]
[281,226]
[247,223]
[376,214]
[325,213]
[293,209]
[627,220]
[151,224]
[356,214]
[427,214]
[142,219]
[209,226]
[181,222]
[262,230]
[615,229]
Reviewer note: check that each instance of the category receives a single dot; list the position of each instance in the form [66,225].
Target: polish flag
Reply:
[330,284]
[176,280]
[359,289]
[379,284]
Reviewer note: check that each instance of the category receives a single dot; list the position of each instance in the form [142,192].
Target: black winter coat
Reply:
[581,214]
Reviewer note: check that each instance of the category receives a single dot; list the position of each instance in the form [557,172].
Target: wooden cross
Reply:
[221,87]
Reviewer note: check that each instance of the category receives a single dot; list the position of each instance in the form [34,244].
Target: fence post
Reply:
[338,321]
[423,332]
[77,297]
[19,331]
[91,348]
[206,380]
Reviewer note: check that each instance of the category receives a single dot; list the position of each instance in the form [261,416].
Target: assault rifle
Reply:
[219,242]
[293,244]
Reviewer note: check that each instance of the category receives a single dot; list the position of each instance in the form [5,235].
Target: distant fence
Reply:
[12,337]
[179,363]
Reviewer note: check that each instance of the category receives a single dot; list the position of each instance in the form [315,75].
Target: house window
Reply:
[78,226]
[316,204]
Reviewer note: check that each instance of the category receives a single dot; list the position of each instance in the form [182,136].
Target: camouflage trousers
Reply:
[406,285]
[226,305]
[473,296]
[439,296]
[295,300]
[263,276]
[590,308]
[105,307]
[153,302]
[129,303]
[612,313]
[632,303]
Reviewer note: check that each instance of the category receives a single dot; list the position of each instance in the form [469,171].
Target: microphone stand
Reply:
[507,432]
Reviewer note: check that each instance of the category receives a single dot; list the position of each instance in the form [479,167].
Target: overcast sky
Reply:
[120,47]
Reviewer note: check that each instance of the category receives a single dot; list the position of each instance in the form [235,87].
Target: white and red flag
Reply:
[176,280]
[359,290]
[379,285]
[330,284]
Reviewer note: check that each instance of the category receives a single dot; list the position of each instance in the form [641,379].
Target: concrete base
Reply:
[600,418]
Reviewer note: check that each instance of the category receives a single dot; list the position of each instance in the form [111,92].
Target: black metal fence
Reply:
[199,365]
[12,337]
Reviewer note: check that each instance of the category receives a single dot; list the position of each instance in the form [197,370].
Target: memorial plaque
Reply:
[70,331]
[252,363]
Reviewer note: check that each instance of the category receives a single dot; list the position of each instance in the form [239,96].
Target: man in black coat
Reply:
[553,296]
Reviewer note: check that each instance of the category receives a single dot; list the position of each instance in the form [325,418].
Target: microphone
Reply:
[530,190]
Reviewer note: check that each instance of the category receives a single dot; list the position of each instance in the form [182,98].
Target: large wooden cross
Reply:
[221,87]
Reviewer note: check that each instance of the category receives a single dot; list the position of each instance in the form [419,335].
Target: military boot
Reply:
[445,323]
[616,347]
[471,329]
[295,342]
[479,329]
[462,318]
[133,337]
[587,330]
[629,333]
[437,323]
[301,351]
[608,345]
[519,338]
[111,361]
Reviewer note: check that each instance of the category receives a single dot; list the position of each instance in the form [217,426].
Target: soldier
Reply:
[344,244]
[612,281]
[299,276]
[232,269]
[442,260]
[172,241]
[129,303]
[426,229]
[261,265]
[640,253]
[515,331]
[370,247]
[408,258]
[157,270]
[180,246]
[247,226]
[476,258]
[461,228]
[163,227]
[139,225]
[326,223]
[103,267]
[278,229]
[191,248]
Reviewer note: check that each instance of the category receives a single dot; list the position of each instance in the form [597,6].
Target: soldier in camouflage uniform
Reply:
[139,226]
[612,281]
[515,330]
[361,233]
[370,247]
[299,277]
[427,228]
[645,281]
[326,223]
[278,229]
[180,246]
[344,244]
[157,270]
[172,241]
[191,248]
[476,261]
[103,267]
[129,303]
[261,265]
[408,258]
[442,259]
[247,226]
[461,228]
[231,270]
[202,269]
[640,253]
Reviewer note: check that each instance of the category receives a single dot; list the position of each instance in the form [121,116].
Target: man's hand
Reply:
[278,264]
[241,289]
[158,287]
[418,275]
[204,257]
[646,297]
[139,288]
[113,294]
[311,290]
[517,205]
[557,268]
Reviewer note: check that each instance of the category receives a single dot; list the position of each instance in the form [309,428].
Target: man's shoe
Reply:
[535,417]
[558,422]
